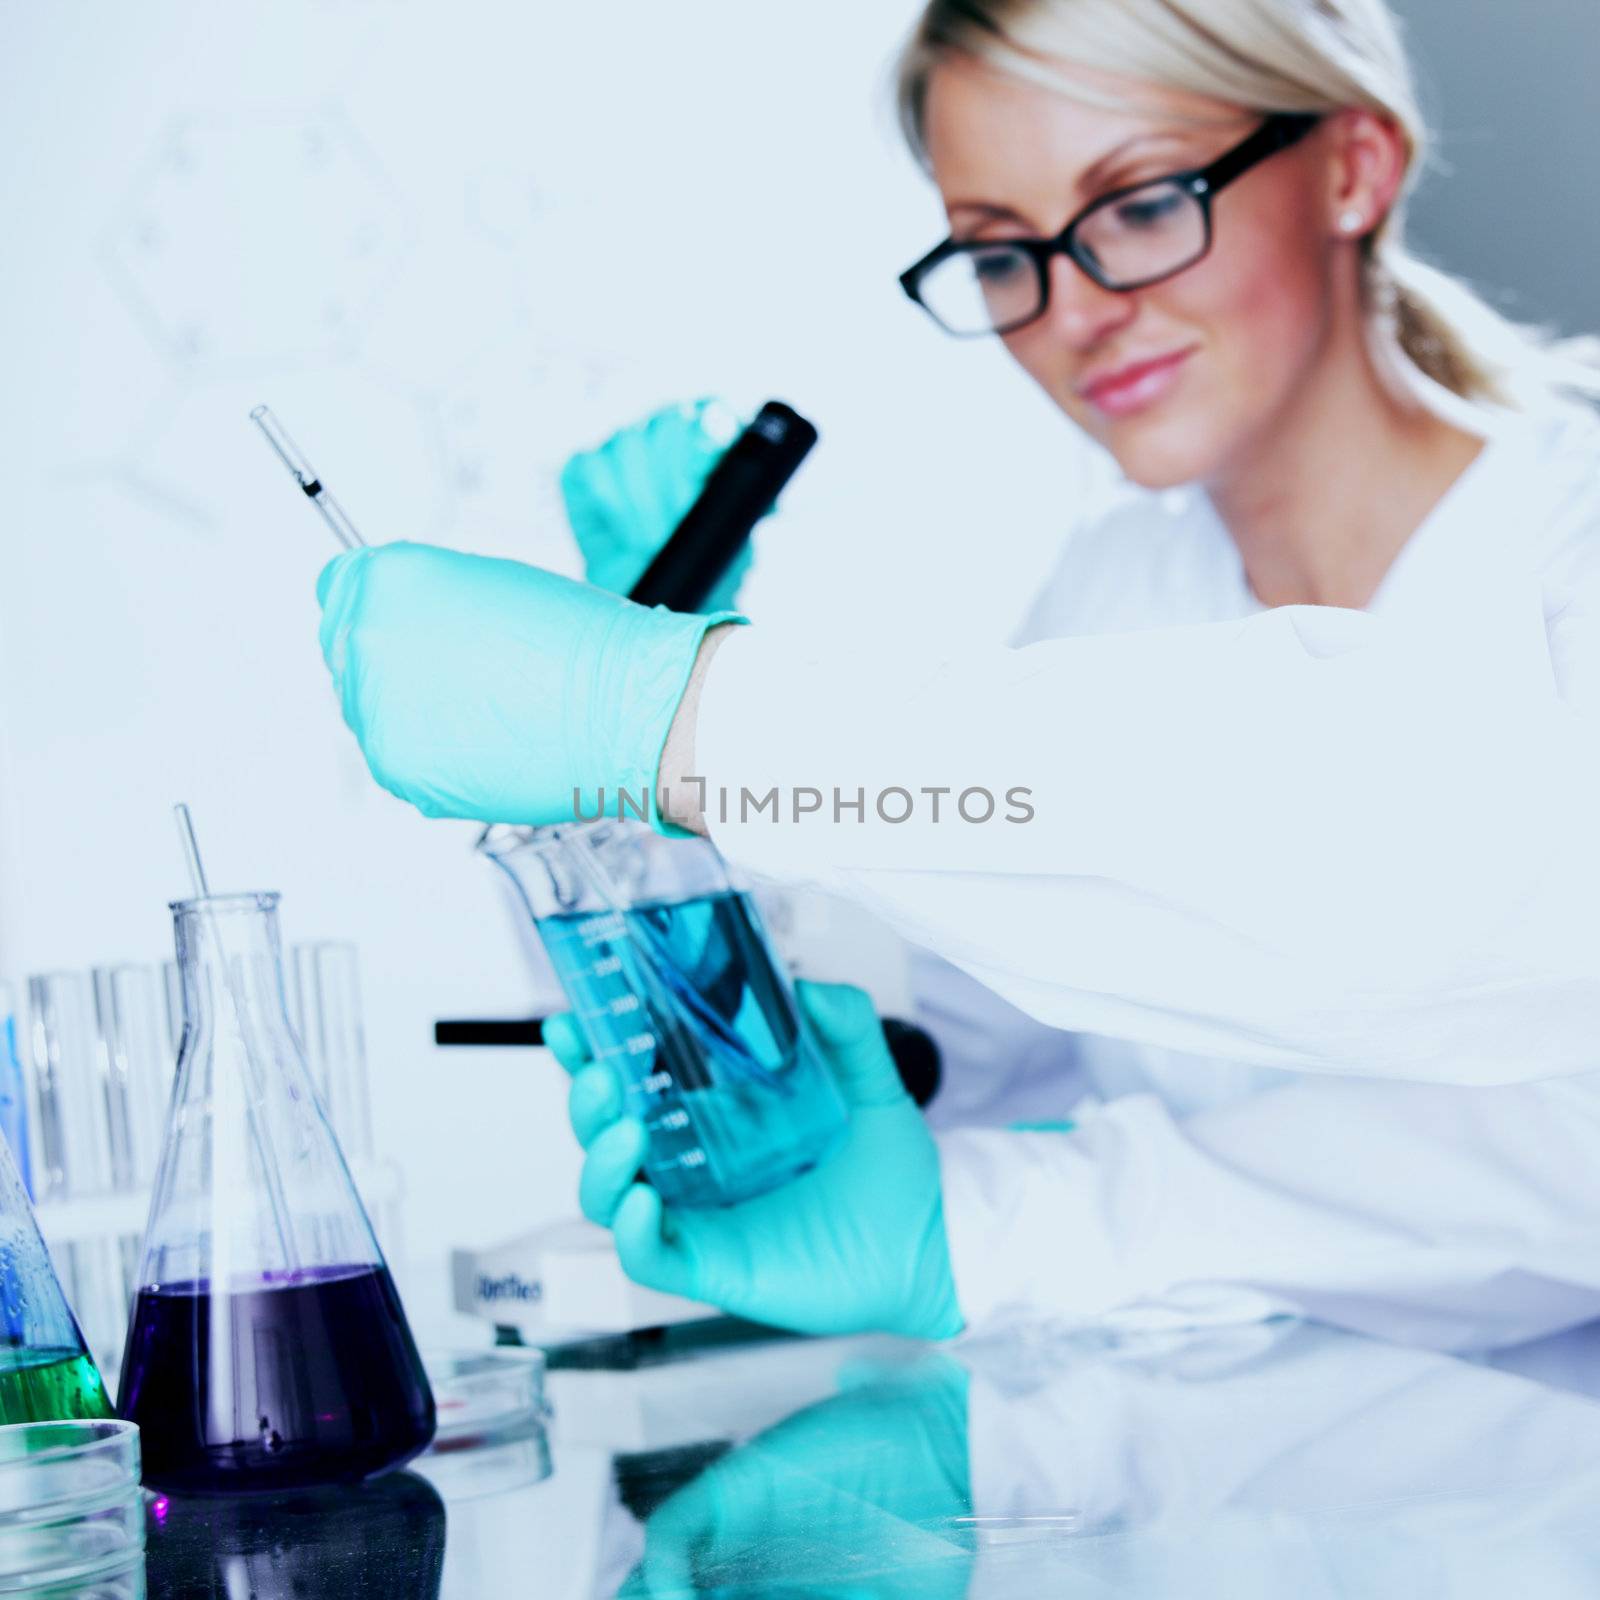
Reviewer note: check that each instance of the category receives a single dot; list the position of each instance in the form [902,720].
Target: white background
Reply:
[448,243]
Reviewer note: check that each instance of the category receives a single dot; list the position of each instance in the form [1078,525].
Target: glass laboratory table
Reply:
[1276,1460]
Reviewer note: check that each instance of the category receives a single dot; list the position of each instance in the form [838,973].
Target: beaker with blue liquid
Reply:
[673,981]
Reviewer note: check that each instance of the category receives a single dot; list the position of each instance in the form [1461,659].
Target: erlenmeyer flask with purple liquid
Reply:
[268,1348]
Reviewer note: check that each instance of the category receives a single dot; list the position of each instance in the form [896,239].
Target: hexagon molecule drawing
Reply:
[258,237]
[506,420]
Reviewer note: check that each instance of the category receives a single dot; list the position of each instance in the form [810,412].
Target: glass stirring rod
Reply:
[290,454]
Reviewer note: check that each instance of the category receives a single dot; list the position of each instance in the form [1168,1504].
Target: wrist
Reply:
[681,799]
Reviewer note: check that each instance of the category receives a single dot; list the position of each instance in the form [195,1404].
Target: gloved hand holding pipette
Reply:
[661,510]
[624,498]
[491,690]
[856,1244]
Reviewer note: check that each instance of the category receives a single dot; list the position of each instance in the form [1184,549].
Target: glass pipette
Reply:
[290,454]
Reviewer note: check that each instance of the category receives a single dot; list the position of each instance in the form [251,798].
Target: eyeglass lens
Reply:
[1148,233]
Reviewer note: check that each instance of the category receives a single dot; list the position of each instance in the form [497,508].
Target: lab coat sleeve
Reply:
[1310,839]
[997,1065]
[1451,1217]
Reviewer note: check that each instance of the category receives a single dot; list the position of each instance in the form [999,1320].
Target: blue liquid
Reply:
[687,1003]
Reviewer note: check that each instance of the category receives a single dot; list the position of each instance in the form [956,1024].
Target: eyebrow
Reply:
[1088,180]
[1093,175]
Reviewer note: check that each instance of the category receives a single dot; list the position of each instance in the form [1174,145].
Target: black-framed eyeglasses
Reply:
[1126,240]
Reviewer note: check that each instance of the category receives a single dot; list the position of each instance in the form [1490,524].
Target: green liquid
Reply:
[50,1386]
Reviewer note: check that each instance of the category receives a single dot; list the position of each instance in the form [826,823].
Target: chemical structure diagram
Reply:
[272,252]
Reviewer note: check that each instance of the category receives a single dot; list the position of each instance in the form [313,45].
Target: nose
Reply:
[1081,313]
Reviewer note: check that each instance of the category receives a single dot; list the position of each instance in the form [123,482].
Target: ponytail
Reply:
[1454,338]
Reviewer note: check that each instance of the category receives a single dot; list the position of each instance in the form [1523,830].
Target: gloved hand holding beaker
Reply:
[625,497]
[856,1244]
[882,1467]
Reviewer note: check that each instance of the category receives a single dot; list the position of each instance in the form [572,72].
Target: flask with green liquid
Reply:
[46,1371]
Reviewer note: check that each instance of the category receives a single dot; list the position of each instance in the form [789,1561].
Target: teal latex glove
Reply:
[857,1243]
[492,690]
[865,1494]
[624,498]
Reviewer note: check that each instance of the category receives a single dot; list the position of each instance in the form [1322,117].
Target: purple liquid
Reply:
[310,1380]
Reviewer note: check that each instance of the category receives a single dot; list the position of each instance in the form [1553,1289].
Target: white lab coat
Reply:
[1415,898]
[1352,842]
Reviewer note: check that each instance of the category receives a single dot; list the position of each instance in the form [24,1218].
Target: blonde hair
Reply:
[1268,55]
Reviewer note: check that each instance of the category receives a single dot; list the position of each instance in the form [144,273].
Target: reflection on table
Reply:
[1279,1459]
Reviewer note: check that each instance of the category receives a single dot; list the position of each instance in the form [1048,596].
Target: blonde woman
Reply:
[1296,755]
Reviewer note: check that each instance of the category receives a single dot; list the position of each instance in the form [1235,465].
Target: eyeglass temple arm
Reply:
[1277,133]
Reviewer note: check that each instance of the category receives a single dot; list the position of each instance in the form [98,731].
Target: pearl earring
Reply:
[1351,222]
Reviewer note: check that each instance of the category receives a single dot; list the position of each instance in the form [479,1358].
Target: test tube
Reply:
[327,1012]
[72,1154]
[131,1005]
[113,1073]
[72,1151]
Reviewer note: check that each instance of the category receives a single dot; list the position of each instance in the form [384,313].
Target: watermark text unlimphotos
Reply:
[893,804]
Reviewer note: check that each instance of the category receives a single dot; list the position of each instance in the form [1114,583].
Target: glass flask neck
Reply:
[252,1186]
[230,960]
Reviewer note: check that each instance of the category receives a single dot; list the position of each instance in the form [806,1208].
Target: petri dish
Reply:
[513,1458]
[481,1393]
[492,1414]
[70,1507]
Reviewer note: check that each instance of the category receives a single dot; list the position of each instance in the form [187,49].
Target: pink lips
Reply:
[1135,386]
